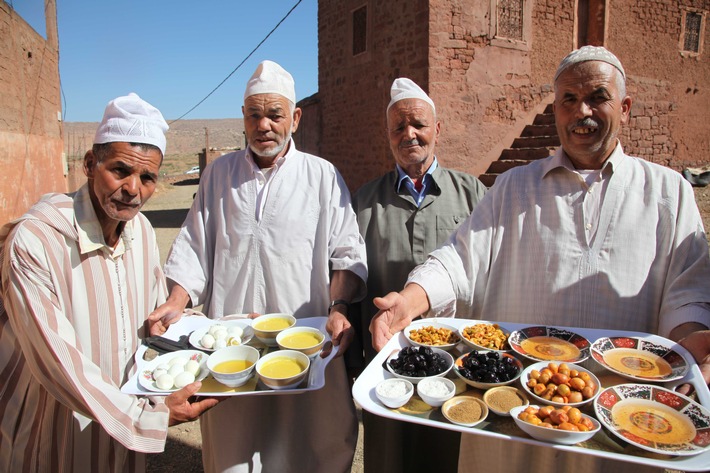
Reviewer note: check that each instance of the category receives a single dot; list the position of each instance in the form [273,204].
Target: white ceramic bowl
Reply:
[239,352]
[540,400]
[447,411]
[415,379]
[458,367]
[546,434]
[437,325]
[286,340]
[285,382]
[492,399]
[268,336]
[388,392]
[426,390]
[488,327]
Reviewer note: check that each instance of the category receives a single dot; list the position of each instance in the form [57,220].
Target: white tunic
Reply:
[232,262]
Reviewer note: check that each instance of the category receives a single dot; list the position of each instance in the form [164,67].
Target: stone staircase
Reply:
[536,141]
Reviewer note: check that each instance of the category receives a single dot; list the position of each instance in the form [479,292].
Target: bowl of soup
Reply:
[268,326]
[307,340]
[283,369]
[233,366]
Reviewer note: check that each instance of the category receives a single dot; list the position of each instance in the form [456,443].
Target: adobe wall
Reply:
[354,90]
[308,135]
[486,92]
[30,128]
[671,91]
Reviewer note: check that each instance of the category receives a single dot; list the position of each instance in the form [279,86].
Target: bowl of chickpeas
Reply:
[560,384]
[562,425]
[485,336]
[432,333]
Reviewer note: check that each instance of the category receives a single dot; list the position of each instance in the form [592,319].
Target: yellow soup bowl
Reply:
[283,369]
[268,326]
[307,340]
[233,366]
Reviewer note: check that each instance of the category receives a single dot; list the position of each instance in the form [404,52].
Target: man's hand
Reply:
[340,330]
[165,315]
[698,344]
[182,410]
[170,312]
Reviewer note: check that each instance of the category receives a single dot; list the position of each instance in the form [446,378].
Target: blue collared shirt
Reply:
[409,184]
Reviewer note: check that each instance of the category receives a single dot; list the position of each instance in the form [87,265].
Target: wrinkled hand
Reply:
[392,317]
[698,344]
[165,315]
[340,330]
[182,410]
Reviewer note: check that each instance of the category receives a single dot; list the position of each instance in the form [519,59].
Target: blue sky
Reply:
[174,52]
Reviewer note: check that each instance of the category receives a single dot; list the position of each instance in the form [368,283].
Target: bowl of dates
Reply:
[485,369]
[417,363]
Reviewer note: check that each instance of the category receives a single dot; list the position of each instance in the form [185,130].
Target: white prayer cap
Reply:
[131,119]
[590,53]
[270,78]
[403,88]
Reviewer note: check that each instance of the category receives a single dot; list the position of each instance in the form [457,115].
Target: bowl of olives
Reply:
[560,384]
[417,363]
[485,369]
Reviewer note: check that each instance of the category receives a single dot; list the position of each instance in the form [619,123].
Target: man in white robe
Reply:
[272,230]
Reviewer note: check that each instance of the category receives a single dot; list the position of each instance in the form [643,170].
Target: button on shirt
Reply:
[409,184]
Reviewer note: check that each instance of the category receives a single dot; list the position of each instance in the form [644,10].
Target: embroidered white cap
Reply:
[270,78]
[131,119]
[590,53]
[403,88]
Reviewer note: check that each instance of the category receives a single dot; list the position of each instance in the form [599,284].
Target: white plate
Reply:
[641,354]
[244,324]
[145,376]
[419,324]
[556,353]
[655,412]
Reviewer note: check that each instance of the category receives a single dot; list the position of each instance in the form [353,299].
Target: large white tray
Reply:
[601,445]
[210,387]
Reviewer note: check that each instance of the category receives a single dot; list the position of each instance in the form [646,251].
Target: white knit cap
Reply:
[404,88]
[131,119]
[590,53]
[270,78]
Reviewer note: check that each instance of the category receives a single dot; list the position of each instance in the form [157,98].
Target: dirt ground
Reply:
[167,210]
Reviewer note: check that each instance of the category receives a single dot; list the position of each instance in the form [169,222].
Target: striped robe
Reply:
[72,312]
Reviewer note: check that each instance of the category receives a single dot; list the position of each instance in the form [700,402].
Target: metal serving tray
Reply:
[601,445]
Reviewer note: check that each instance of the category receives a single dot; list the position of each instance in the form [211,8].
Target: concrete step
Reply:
[544,119]
[526,154]
[536,141]
[539,130]
[502,165]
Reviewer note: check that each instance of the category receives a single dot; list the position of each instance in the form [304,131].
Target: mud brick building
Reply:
[31,143]
[489,65]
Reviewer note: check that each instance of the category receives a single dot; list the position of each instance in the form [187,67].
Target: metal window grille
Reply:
[693,22]
[510,19]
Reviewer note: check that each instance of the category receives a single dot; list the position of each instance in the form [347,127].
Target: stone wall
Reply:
[30,112]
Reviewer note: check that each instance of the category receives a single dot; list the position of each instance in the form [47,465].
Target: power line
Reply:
[238,66]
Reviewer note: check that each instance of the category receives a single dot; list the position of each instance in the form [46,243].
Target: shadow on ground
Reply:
[166,218]
[177,457]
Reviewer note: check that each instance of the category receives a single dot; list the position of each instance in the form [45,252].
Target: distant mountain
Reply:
[184,136]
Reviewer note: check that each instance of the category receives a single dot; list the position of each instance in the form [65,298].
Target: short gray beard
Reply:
[273,152]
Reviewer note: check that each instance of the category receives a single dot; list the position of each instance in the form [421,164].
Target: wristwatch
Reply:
[339,302]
